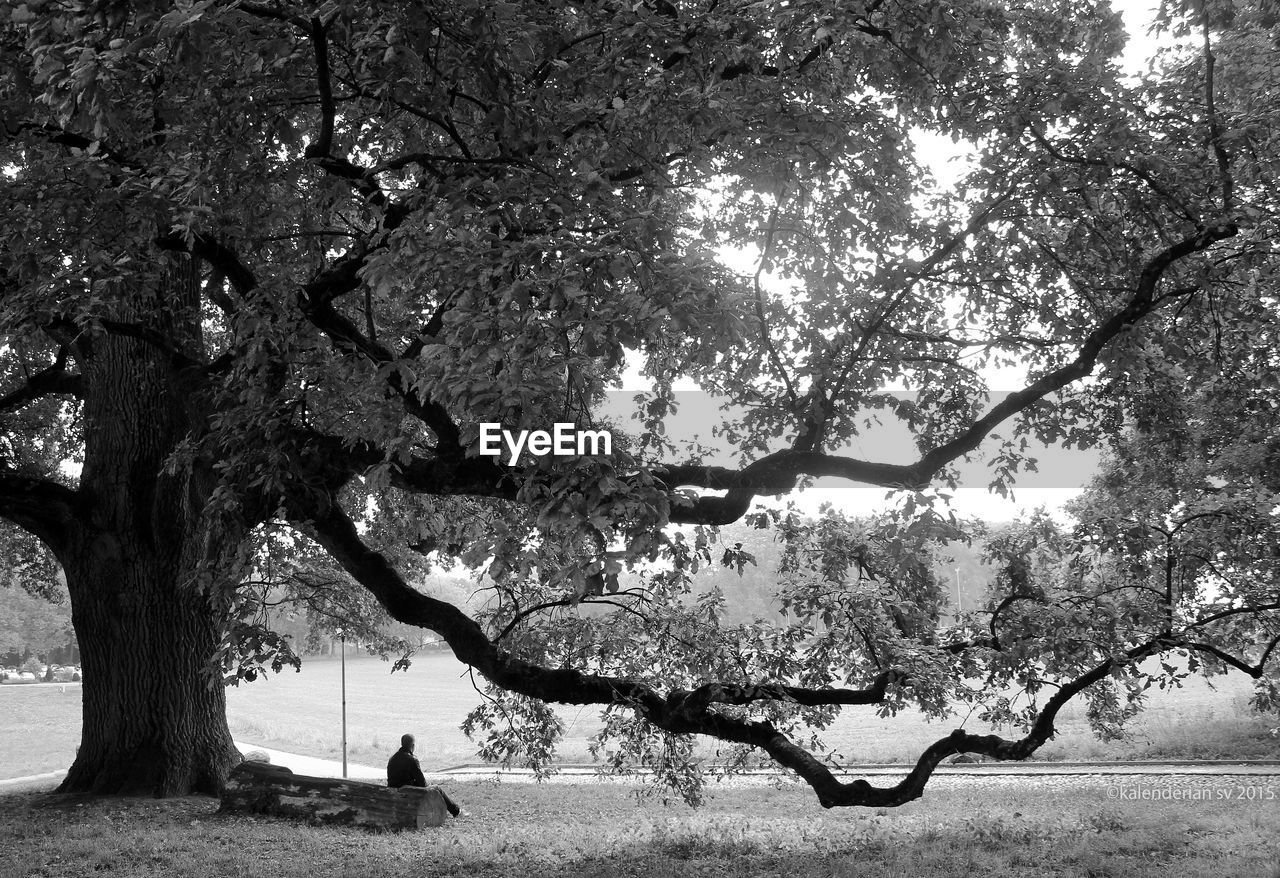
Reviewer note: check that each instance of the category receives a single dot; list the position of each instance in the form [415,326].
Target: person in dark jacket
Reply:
[403,770]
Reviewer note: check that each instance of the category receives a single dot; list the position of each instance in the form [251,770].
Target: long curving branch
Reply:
[1255,670]
[74,140]
[779,472]
[774,473]
[37,505]
[681,711]
[52,381]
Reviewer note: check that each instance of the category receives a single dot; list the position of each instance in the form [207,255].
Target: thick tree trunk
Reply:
[147,622]
[154,719]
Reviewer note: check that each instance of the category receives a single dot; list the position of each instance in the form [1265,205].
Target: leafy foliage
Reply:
[349,234]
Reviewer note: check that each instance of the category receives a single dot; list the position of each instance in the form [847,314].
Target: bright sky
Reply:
[1061,475]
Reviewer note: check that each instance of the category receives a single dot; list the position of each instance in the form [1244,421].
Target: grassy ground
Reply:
[301,713]
[974,828]
[40,729]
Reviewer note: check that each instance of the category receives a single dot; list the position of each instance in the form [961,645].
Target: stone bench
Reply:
[261,788]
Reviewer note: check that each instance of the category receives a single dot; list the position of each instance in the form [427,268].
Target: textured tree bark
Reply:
[154,720]
[154,717]
[259,788]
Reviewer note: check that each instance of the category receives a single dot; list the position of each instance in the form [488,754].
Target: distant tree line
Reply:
[59,655]
[39,627]
[36,627]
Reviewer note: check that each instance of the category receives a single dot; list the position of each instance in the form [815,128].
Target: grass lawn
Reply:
[301,713]
[972,827]
[39,728]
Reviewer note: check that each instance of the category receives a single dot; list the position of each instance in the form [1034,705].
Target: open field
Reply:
[39,728]
[300,713]
[962,827]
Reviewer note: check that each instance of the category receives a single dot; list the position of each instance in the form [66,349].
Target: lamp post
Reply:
[342,635]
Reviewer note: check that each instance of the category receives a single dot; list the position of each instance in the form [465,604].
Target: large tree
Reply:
[273,264]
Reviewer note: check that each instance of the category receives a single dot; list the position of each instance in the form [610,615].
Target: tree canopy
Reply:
[273,264]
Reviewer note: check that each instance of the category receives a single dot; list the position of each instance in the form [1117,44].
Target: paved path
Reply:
[315,767]
[18,784]
[1012,770]
[298,764]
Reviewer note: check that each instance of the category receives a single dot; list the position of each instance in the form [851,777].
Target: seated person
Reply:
[403,770]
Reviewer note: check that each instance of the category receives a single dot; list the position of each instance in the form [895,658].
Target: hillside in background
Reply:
[751,594]
[32,623]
